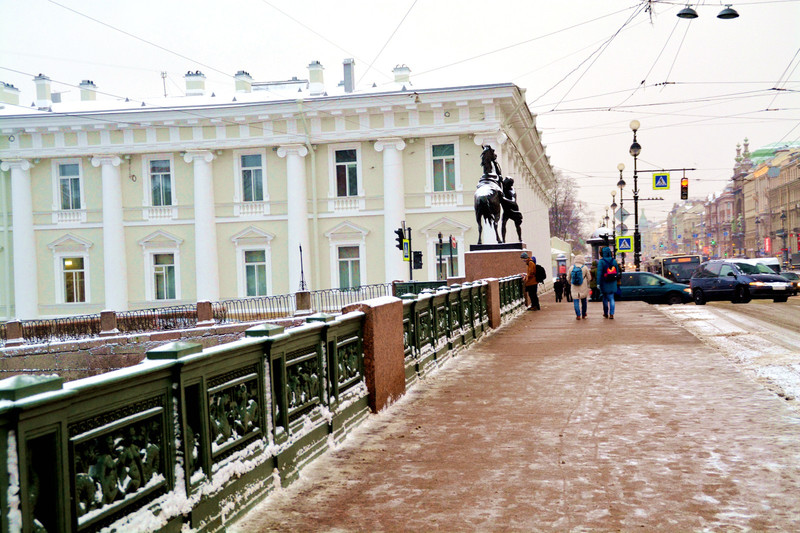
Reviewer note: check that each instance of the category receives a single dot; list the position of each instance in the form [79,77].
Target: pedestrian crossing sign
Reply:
[624,243]
[661,181]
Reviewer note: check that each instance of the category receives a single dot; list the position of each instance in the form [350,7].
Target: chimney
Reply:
[316,85]
[402,74]
[244,82]
[349,75]
[44,97]
[8,94]
[88,91]
[195,83]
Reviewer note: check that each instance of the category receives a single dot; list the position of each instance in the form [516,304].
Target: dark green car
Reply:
[654,289]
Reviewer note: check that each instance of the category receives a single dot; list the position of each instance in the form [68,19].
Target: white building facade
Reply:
[120,205]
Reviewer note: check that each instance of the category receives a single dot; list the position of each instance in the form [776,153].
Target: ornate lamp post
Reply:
[784,250]
[614,218]
[758,237]
[621,185]
[635,150]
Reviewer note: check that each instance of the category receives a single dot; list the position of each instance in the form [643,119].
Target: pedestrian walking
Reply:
[531,281]
[567,287]
[579,279]
[608,275]
[558,288]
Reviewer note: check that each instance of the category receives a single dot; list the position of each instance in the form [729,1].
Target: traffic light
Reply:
[684,188]
[400,236]
[417,265]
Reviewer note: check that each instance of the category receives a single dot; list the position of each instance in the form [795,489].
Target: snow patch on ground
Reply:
[769,353]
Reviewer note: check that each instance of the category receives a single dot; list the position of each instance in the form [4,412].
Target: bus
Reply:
[678,268]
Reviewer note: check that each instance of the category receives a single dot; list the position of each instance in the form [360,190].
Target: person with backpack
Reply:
[579,278]
[608,274]
[533,276]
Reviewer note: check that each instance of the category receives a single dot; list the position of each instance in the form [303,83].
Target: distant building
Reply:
[122,204]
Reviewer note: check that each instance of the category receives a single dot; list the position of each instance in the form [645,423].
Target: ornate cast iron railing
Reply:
[157,319]
[60,329]
[250,309]
[332,300]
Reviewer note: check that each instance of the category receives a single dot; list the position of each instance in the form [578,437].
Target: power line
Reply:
[387,42]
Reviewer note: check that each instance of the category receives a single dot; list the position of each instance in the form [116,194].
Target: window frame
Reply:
[433,197]
[248,240]
[347,234]
[349,202]
[61,215]
[242,207]
[60,276]
[157,212]
[350,262]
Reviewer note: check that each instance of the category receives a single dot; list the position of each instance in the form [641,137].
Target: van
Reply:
[771,262]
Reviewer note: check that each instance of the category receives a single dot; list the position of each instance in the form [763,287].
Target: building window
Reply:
[255,267]
[160,182]
[164,276]
[346,172]
[252,180]
[444,167]
[69,178]
[74,276]
[349,267]
[446,265]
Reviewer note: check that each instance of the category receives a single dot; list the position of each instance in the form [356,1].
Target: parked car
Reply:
[794,279]
[738,282]
[771,262]
[653,289]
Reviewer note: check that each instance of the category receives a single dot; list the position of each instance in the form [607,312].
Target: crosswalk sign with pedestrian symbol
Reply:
[661,181]
[624,243]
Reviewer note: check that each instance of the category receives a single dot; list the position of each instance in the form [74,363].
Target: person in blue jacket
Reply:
[608,272]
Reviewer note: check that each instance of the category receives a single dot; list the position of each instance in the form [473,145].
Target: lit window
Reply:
[255,267]
[161,182]
[349,267]
[252,181]
[346,172]
[70,186]
[444,167]
[164,276]
[74,279]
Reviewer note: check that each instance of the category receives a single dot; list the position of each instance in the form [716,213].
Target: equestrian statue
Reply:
[493,193]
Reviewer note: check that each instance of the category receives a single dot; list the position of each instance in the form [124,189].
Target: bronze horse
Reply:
[489,193]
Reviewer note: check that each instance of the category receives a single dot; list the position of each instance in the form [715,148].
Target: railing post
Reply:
[205,314]
[108,323]
[14,333]
[384,367]
[493,302]
[303,303]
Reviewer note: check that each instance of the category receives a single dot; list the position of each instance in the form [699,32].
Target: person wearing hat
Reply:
[531,281]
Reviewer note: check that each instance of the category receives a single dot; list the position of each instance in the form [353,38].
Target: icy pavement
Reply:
[765,351]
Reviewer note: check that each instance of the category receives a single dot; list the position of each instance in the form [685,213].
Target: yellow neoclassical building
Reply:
[120,204]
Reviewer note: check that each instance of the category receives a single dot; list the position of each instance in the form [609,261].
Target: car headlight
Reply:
[757,283]
[688,290]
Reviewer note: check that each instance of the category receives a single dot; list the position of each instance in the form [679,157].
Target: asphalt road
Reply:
[784,314]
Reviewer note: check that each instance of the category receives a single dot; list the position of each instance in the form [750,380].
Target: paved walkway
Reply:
[553,424]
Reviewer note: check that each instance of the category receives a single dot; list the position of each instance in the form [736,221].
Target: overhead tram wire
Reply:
[784,73]
[599,53]
[369,67]
[677,52]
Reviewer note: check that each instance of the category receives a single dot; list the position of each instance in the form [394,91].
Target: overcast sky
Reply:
[698,87]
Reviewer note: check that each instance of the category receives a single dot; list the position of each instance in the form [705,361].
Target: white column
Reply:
[115,266]
[26,295]
[205,226]
[297,211]
[394,205]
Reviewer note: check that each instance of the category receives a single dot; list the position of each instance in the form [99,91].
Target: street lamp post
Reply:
[614,218]
[621,185]
[784,250]
[758,237]
[635,150]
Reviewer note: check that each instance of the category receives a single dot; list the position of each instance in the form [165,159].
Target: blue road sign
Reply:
[624,243]
[661,181]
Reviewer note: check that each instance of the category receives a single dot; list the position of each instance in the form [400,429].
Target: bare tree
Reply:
[566,212]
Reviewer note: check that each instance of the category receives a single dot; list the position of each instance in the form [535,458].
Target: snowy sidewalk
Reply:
[555,424]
